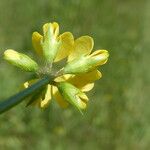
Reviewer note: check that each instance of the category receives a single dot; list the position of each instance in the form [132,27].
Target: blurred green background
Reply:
[118,116]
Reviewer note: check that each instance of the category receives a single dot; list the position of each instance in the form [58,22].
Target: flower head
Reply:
[71,82]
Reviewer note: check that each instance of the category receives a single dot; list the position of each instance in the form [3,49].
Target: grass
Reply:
[118,114]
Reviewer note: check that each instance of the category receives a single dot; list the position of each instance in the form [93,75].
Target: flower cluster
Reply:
[71,82]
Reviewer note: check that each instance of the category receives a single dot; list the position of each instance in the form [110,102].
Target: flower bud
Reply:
[50,43]
[85,64]
[20,60]
[73,95]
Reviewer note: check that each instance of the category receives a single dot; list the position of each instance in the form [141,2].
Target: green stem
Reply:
[19,97]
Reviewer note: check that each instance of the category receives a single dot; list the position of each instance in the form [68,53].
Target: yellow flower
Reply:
[52,45]
[20,60]
[82,47]
[70,83]
[83,82]
[81,61]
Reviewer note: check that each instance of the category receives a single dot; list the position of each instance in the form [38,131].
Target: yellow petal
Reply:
[101,56]
[81,104]
[36,42]
[82,100]
[10,53]
[90,76]
[63,103]
[66,47]
[45,28]
[83,97]
[44,102]
[85,81]
[63,78]
[82,46]
[82,81]
[54,28]
[29,83]
[87,87]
